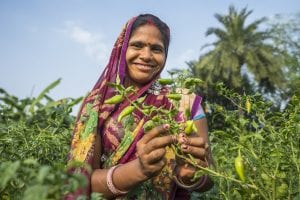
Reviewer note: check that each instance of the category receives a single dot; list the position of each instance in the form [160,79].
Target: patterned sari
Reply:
[118,143]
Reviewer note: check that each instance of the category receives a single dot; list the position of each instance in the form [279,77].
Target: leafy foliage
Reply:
[267,138]
[285,30]
[35,139]
[240,49]
[269,143]
[34,147]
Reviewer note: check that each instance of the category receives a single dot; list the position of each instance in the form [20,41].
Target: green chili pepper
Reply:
[248,105]
[189,127]
[114,100]
[174,96]
[165,81]
[239,166]
[126,111]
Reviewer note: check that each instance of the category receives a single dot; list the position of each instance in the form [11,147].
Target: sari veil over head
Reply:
[93,112]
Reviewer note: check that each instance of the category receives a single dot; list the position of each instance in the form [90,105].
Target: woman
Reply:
[145,168]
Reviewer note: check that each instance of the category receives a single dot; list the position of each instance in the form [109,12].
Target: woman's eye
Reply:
[157,49]
[137,45]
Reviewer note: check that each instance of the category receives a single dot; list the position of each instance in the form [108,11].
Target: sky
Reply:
[43,40]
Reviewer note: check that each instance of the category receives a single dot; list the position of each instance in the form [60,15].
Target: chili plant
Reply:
[35,136]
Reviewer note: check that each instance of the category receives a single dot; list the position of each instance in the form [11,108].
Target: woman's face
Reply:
[145,55]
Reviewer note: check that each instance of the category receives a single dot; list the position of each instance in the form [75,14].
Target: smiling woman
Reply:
[134,163]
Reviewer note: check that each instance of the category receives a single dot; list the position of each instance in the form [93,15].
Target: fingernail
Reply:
[181,135]
[184,146]
[166,126]
[182,140]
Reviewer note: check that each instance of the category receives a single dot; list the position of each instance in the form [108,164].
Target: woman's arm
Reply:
[151,151]
[202,131]
[122,176]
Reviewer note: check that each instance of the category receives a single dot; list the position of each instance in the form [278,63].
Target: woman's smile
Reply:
[144,67]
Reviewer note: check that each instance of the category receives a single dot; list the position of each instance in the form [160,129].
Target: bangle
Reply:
[109,182]
[194,186]
[198,185]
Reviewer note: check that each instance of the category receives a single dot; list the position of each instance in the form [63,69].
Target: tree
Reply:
[241,57]
[285,31]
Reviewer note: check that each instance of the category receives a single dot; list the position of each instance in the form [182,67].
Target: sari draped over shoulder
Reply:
[119,143]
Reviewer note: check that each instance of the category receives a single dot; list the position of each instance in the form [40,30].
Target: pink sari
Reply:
[119,145]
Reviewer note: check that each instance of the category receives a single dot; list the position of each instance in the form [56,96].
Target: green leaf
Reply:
[129,89]
[43,93]
[75,101]
[148,125]
[43,172]
[8,171]
[30,161]
[116,86]
[36,192]
[97,196]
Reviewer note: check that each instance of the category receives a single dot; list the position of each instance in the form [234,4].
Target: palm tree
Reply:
[239,47]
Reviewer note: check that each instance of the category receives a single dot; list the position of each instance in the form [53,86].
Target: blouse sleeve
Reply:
[199,113]
[193,102]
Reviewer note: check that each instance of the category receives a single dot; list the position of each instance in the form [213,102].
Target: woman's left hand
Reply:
[197,147]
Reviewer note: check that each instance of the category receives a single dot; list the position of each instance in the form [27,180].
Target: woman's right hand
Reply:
[151,150]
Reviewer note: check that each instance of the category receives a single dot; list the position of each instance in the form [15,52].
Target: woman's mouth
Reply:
[144,67]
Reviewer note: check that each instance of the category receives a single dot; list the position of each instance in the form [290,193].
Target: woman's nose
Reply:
[146,54]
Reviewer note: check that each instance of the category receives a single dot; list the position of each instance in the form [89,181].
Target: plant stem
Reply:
[212,172]
[296,163]
[260,192]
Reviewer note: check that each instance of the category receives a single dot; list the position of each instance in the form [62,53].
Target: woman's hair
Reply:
[153,20]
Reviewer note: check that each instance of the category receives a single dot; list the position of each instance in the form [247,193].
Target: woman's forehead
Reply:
[147,31]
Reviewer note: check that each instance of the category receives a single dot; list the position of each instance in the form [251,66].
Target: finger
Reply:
[192,141]
[159,166]
[174,139]
[154,169]
[196,141]
[158,142]
[197,152]
[156,156]
[154,132]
